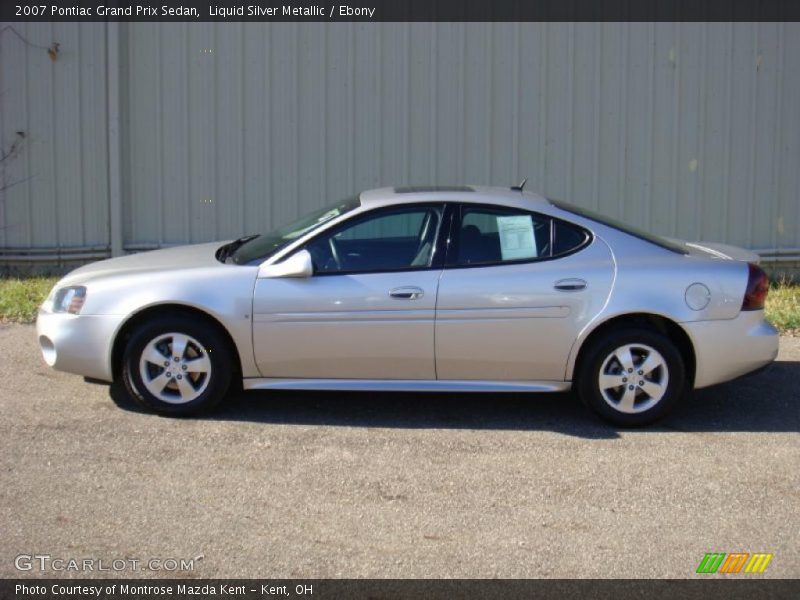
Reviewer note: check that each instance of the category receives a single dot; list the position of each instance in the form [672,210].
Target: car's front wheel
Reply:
[177,365]
[631,377]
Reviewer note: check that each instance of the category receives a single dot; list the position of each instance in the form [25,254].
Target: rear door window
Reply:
[487,235]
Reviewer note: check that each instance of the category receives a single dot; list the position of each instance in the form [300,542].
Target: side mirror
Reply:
[297,265]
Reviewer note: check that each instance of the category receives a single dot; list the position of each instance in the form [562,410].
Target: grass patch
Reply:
[783,307]
[20,298]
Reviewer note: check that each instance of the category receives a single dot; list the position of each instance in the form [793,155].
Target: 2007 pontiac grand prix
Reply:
[464,289]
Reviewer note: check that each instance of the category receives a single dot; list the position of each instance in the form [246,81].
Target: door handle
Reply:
[572,284]
[407,293]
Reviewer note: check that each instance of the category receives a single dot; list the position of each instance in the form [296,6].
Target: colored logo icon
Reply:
[736,562]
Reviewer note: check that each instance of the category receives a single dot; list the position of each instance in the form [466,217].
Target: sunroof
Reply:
[417,189]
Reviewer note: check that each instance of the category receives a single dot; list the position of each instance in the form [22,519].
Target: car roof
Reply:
[389,196]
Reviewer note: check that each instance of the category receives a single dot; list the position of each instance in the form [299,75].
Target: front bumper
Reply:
[728,348]
[79,344]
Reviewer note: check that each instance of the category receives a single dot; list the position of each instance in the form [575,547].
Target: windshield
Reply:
[264,246]
[624,227]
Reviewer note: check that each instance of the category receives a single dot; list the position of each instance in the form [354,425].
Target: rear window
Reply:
[620,226]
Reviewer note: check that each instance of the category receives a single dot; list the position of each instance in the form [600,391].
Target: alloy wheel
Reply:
[633,378]
[175,368]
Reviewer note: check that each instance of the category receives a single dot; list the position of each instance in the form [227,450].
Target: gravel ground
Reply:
[396,485]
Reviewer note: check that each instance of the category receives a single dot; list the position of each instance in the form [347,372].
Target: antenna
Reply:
[518,188]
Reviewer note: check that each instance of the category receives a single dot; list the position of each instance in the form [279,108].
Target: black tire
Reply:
[217,351]
[599,352]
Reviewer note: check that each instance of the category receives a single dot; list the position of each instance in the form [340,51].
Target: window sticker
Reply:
[516,237]
[331,214]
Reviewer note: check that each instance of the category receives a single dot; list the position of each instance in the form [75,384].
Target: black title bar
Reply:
[400,10]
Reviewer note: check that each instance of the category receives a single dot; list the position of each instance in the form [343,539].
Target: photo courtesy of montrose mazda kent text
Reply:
[460,289]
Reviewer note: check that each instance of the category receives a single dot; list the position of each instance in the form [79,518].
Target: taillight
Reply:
[757,287]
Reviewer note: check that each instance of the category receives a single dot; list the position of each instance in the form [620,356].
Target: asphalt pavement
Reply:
[304,485]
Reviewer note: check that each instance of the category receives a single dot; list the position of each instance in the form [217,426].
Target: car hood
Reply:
[717,250]
[180,257]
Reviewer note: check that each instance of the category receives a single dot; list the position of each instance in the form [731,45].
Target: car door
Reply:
[368,310]
[517,289]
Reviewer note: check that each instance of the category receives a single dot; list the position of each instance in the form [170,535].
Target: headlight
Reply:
[69,299]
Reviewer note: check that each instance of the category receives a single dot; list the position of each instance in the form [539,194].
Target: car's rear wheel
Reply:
[631,377]
[177,366]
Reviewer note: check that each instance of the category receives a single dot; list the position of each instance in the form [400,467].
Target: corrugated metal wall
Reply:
[688,129]
[58,178]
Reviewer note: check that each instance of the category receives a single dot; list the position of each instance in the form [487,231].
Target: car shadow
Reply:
[764,402]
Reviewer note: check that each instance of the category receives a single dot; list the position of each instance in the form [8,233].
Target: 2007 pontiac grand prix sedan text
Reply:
[463,289]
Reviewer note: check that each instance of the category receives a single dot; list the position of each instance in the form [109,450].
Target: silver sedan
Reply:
[463,289]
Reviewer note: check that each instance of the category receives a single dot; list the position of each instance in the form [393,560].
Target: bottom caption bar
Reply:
[246,589]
